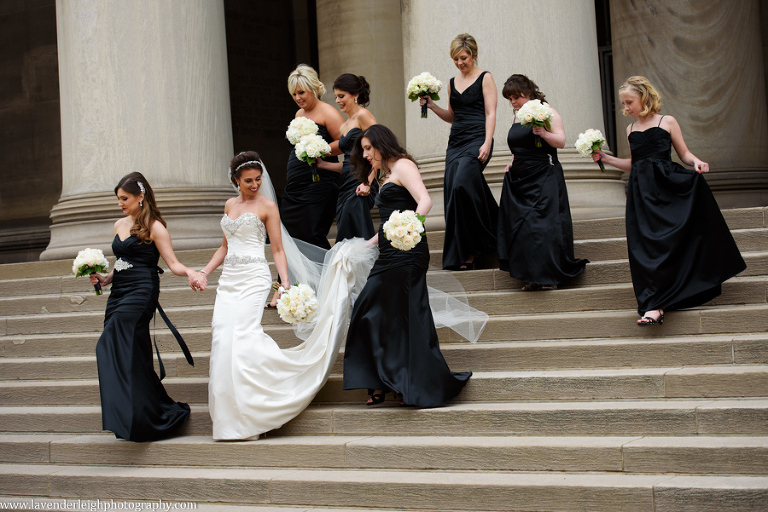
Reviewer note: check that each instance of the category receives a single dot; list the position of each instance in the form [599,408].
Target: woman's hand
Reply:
[507,168]
[197,281]
[700,166]
[363,189]
[597,156]
[485,151]
[426,100]
[539,130]
[100,279]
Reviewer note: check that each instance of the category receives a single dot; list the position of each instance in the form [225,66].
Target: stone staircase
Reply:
[571,406]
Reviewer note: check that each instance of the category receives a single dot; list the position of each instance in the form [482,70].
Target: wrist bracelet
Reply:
[203,272]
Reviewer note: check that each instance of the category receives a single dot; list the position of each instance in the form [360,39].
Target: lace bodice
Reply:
[246,237]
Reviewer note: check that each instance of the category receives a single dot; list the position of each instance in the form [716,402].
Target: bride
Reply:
[255,386]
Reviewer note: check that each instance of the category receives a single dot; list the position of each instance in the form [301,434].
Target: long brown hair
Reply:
[521,85]
[385,142]
[148,212]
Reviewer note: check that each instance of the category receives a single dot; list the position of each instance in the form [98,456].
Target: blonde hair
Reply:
[305,77]
[649,96]
[464,42]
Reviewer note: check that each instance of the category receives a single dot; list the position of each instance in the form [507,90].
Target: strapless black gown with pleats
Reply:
[471,211]
[353,212]
[392,342]
[134,404]
[535,238]
[307,208]
[680,247]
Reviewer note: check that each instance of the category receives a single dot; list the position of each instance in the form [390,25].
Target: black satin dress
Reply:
[308,208]
[134,404]
[353,212]
[471,211]
[680,248]
[535,227]
[392,342]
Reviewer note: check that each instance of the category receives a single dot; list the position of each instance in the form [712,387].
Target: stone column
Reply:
[706,60]
[144,88]
[365,38]
[562,59]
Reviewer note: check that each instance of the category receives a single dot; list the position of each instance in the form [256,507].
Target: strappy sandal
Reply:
[376,398]
[269,306]
[648,320]
[532,287]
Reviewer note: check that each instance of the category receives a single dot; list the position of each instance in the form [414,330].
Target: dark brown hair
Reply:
[148,212]
[385,142]
[244,161]
[521,85]
[354,84]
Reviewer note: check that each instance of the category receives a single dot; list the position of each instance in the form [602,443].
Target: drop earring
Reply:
[141,203]
[355,100]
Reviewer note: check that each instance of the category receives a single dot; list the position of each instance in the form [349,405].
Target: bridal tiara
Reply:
[261,164]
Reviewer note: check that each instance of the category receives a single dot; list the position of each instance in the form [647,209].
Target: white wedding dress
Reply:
[255,386]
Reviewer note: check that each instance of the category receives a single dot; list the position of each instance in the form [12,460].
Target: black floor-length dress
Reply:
[392,342]
[471,211]
[134,404]
[535,238]
[308,208]
[353,212]
[680,248]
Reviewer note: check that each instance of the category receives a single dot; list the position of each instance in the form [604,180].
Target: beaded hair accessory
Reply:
[141,187]
[259,162]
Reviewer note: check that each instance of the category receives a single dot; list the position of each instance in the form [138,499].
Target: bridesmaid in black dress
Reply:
[134,404]
[308,208]
[680,248]
[392,343]
[535,228]
[356,197]
[471,211]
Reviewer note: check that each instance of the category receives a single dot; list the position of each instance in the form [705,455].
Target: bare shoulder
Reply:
[669,123]
[488,78]
[365,118]
[405,165]
[268,204]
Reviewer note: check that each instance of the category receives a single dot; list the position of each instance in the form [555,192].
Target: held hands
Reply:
[198,281]
[363,189]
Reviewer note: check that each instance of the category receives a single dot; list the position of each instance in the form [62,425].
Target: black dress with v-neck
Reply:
[471,211]
[134,403]
[680,248]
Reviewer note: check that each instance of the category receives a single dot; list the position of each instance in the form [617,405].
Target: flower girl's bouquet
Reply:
[90,261]
[404,229]
[536,113]
[308,145]
[297,304]
[424,85]
[590,142]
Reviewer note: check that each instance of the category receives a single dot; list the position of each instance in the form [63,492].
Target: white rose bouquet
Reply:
[404,229]
[424,84]
[297,304]
[309,149]
[90,261]
[300,127]
[590,142]
[536,113]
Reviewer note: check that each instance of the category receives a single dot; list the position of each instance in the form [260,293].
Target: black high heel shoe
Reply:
[647,320]
[376,398]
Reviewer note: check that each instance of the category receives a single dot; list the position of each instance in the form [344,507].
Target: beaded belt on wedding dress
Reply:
[236,259]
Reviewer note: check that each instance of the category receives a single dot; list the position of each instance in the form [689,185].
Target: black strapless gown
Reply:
[471,211]
[392,342]
[307,208]
[134,404]
[353,212]
[680,248]
[535,227]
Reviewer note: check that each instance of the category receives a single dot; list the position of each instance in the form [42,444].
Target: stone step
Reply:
[748,318]
[20,503]
[737,219]
[739,290]
[393,489]
[582,384]
[685,454]
[669,417]
[489,356]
